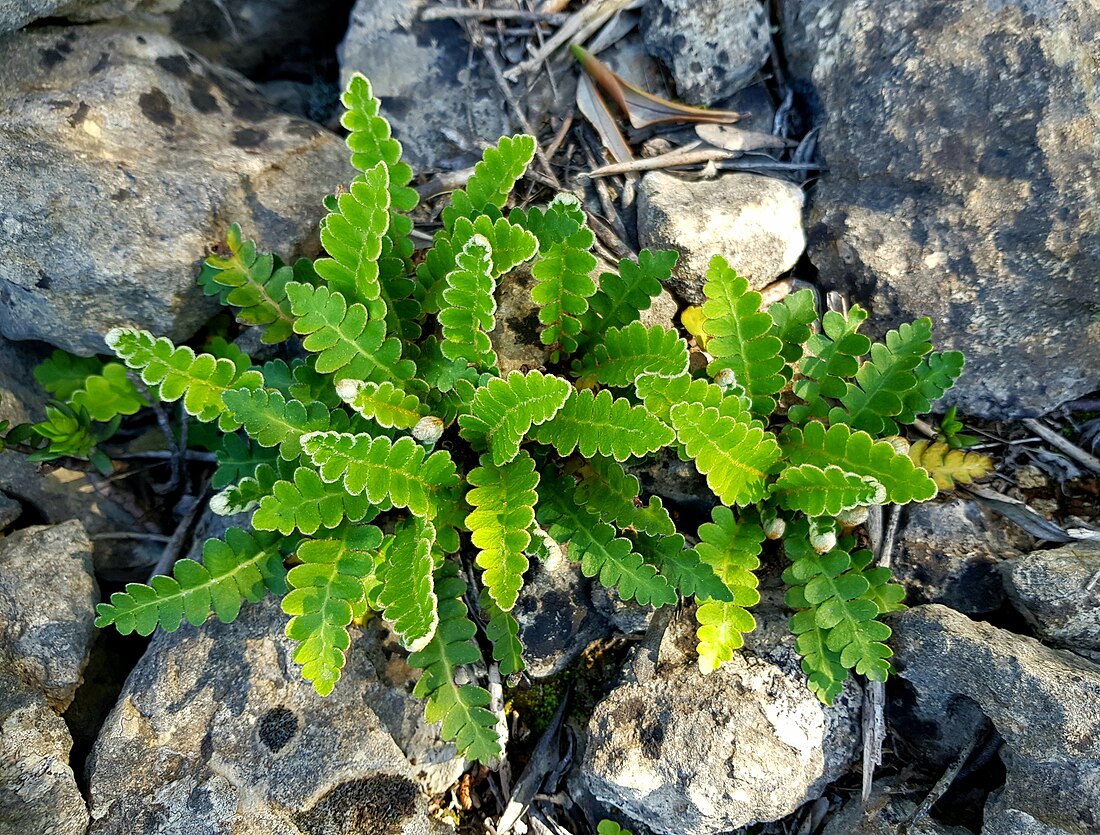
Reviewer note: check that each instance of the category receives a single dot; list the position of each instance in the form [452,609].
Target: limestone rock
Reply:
[107,122]
[949,552]
[47,607]
[38,792]
[18,13]
[1044,702]
[515,337]
[754,222]
[961,142]
[215,727]
[882,814]
[689,754]
[1057,591]
[712,47]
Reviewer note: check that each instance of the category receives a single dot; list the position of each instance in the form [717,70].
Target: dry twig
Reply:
[1070,449]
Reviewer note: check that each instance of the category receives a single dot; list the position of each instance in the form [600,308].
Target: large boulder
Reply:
[216,727]
[17,13]
[961,142]
[1044,702]
[688,754]
[47,607]
[38,791]
[123,158]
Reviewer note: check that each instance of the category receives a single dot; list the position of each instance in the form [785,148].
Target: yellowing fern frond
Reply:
[949,467]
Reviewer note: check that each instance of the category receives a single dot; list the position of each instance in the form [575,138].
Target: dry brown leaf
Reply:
[737,139]
[592,106]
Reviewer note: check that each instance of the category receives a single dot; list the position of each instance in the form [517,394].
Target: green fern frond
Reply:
[735,457]
[793,316]
[504,410]
[251,488]
[407,593]
[383,402]
[238,457]
[623,296]
[200,380]
[731,547]
[461,708]
[494,177]
[831,593]
[859,453]
[936,374]
[306,504]
[467,315]
[326,591]
[610,492]
[592,543]
[371,142]
[346,341]
[62,373]
[109,393]
[253,282]
[562,271]
[629,352]
[352,236]
[878,393]
[832,357]
[825,492]
[502,630]
[601,424]
[660,394]
[273,421]
[381,470]
[503,501]
[741,336]
[682,567]
[242,566]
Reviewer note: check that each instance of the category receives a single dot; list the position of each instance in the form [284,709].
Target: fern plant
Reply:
[391,450]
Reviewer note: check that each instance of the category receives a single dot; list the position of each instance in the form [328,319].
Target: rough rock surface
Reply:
[17,13]
[439,102]
[1058,592]
[47,607]
[754,222]
[215,727]
[949,553]
[10,510]
[38,792]
[515,337]
[712,47]
[106,122]
[961,142]
[1044,702]
[556,621]
[689,754]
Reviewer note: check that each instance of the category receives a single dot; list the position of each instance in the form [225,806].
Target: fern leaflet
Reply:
[825,492]
[467,314]
[683,567]
[793,316]
[741,336]
[735,457]
[306,504]
[494,177]
[326,591]
[503,500]
[243,566]
[460,707]
[605,425]
[407,592]
[502,630]
[832,357]
[949,467]
[177,372]
[63,373]
[859,453]
[624,295]
[273,421]
[504,410]
[382,470]
[936,373]
[609,491]
[383,402]
[628,353]
[109,393]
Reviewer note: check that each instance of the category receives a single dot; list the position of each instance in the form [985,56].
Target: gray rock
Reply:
[754,222]
[10,510]
[628,616]
[556,618]
[963,187]
[440,102]
[1044,702]
[712,47]
[47,607]
[1058,592]
[881,815]
[128,125]
[15,14]
[515,337]
[949,553]
[216,732]
[689,754]
[38,792]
